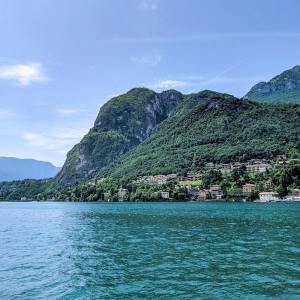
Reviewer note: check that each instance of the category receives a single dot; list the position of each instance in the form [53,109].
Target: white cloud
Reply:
[59,141]
[37,140]
[148,4]
[6,114]
[65,112]
[172,84]
[24,74]
[151,60]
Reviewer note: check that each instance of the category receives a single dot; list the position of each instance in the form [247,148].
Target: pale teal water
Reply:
[149,251]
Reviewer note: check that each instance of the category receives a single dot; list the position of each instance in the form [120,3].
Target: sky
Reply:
[60,60]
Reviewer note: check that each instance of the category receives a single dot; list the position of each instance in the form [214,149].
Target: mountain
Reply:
[12,168]
[212,127]
[146,133]
[122,123]
[284,88]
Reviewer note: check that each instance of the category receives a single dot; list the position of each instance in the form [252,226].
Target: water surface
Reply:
[149,251]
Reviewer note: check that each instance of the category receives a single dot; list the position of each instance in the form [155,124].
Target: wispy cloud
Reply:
[59,141]
[171,84]
[148,4]
[66,112]
[151,60]
[24,74]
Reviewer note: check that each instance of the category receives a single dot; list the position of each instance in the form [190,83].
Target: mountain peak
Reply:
[283,88]
[296,68]
[122,123]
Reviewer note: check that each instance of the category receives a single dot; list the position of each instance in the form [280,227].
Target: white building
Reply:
[259,168]
[268,196]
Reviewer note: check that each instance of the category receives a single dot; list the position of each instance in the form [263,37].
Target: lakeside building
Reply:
[193,176]
[296,195]
[284,163]
[165,195]
[122,194]
[106,196]
[296,192]
[248,188]
[210,166]
[258,168]
[219,196]
[268,196]
[156,179]
[215,191]
[203,195]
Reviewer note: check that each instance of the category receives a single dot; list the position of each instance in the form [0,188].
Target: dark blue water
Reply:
[149,251]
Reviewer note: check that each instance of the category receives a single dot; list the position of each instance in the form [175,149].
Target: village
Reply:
[190,185]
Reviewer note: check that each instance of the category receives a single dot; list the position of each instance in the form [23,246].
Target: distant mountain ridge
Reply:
[284,88]
[12,168]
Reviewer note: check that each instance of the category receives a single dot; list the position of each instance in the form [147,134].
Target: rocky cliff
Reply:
[122,123]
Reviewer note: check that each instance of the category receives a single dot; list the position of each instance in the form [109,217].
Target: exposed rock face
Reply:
[284,88]
[122,123]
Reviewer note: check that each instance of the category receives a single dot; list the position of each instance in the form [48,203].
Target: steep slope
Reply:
[122,123]
[284,88]
[212,127]
[12,168]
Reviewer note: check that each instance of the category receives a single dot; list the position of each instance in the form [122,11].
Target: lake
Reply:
[207,250]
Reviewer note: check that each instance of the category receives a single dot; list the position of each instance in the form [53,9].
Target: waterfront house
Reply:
[203,195]
[106,196]
[268,196]
[165,195]
[248,188]
[296,192]
[215,190]
[219,196]
[122,194]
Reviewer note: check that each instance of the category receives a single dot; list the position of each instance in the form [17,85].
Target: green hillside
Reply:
[212,127]
[284,88]
[145,133]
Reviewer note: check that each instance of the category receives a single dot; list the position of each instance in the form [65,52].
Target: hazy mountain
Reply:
[12,168]
[284,88]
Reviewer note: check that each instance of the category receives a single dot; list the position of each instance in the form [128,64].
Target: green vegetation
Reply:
[144,133]
[284,88]
[211,127]
[23,189]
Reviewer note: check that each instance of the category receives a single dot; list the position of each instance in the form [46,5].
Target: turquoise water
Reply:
[149,251]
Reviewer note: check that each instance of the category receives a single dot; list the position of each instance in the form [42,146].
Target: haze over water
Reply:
[149,251]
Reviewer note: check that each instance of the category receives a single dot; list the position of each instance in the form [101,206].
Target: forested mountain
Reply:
[212,127]
[147,133]
[122,123]
[12,168]
[284,88]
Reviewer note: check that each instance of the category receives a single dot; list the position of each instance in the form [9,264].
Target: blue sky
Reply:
[60,60]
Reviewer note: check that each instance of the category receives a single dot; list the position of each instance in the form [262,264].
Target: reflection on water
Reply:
[149,250]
